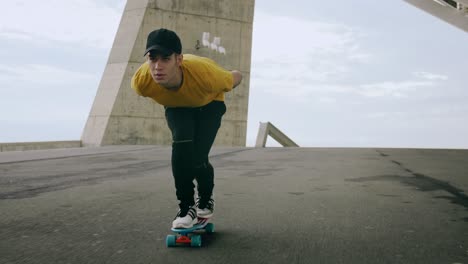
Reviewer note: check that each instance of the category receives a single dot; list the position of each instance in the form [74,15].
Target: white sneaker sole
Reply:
[182,225]
[202,214]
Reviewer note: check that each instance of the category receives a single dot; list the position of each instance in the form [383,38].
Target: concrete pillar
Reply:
[268,129]
[120,116]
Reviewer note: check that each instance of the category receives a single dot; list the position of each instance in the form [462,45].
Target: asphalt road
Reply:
[273,205]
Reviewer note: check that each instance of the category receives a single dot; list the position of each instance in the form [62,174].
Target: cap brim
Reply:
[158,50]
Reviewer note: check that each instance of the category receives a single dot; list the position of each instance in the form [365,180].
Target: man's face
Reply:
[165,70]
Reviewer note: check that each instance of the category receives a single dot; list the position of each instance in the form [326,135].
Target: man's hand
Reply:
[237,78]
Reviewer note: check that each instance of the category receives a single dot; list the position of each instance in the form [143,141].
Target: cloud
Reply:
[83,22]
[391,89]
[402,89]
[39,73]
[430,76]
[289,37]
[317,62]
[37,93]
[302,90]
[309,57]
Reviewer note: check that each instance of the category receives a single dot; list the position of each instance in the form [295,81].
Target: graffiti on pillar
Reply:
[207,43]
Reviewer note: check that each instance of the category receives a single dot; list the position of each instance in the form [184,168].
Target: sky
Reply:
[358,73]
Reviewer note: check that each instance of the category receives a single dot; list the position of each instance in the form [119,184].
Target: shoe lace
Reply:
[205,204]
[187,211]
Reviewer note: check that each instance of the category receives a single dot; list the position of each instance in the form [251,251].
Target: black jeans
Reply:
[193,133]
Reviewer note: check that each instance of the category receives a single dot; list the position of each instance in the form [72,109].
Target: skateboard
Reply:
[190,236]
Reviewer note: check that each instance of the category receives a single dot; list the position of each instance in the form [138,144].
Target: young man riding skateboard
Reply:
[191,89]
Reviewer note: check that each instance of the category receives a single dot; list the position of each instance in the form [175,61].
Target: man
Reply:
[191,88]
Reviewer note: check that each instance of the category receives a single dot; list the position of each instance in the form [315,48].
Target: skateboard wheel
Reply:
[196,241]
[209,228]
[171,240]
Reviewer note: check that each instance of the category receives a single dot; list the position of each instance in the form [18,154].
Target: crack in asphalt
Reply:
[421,182]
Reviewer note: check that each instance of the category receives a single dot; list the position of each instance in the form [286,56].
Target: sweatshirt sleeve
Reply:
[226,81]
[141,80]
[220,79]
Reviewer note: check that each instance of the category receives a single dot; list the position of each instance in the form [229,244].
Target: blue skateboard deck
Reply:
[190,236]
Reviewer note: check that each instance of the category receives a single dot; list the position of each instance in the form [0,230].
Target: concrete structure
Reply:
[22,146]
[268,129]
[219,29]
[454,12]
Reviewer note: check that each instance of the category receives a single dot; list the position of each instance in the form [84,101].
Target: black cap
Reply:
[163,41]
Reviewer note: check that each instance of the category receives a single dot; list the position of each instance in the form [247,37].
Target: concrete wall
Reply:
[120,116]
[22,146]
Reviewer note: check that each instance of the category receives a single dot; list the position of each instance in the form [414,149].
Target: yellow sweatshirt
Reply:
[204,81]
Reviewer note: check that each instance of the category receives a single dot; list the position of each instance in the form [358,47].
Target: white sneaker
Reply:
[205,209]
[185,218]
